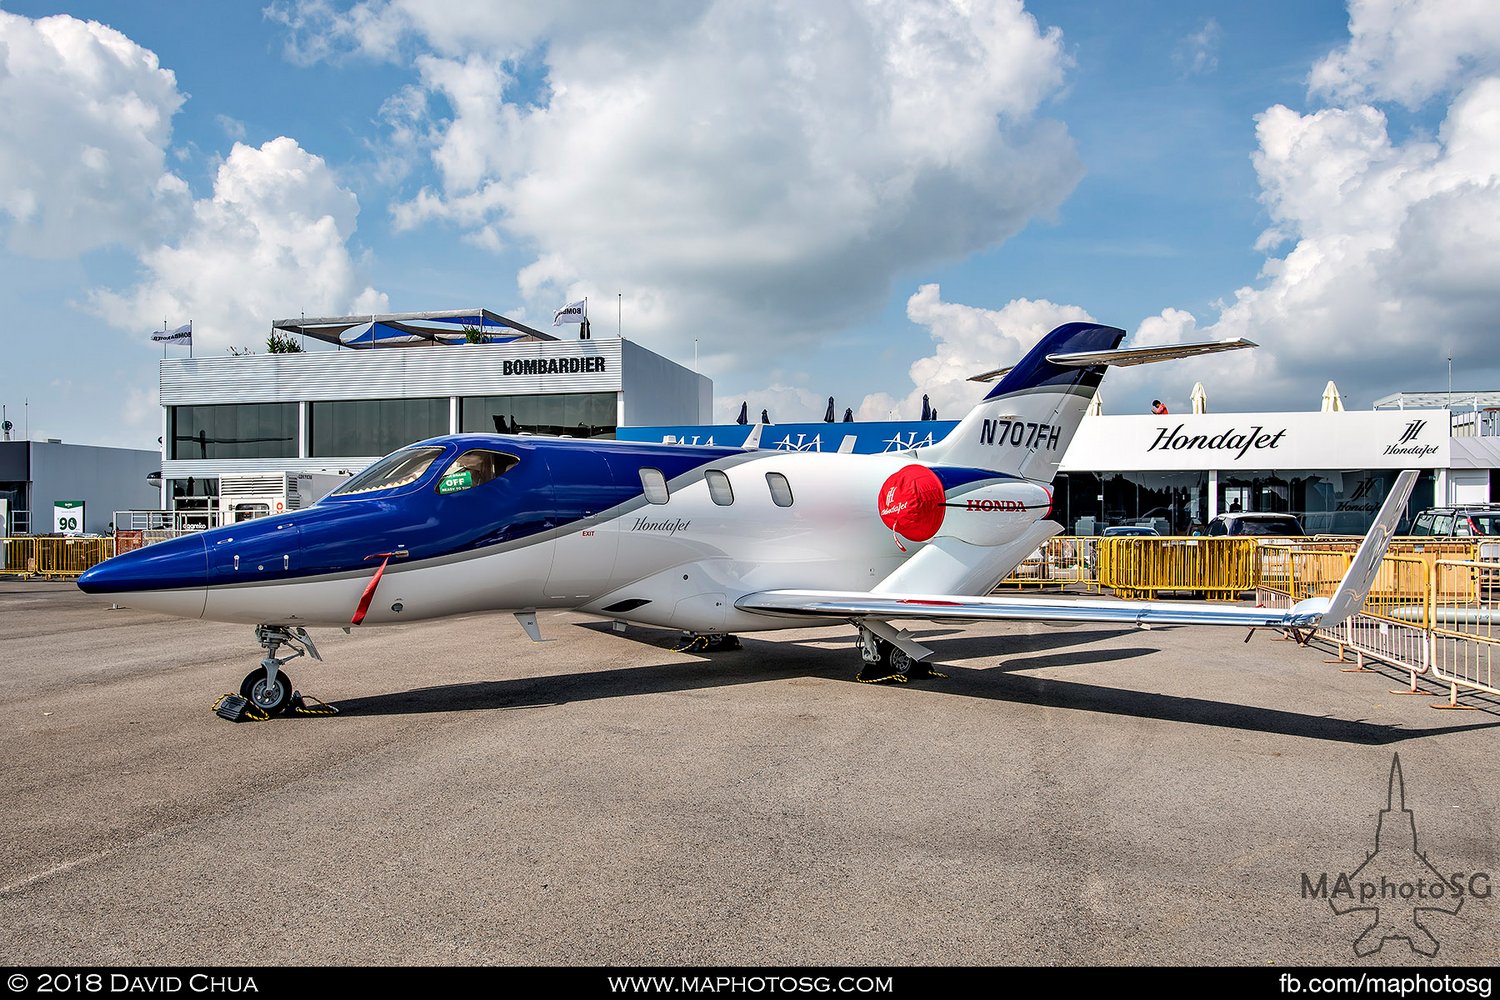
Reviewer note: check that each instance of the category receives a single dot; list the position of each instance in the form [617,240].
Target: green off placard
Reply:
[67,517]
[455,481]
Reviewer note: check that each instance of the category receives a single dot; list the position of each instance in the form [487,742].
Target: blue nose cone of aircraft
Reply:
[176,564]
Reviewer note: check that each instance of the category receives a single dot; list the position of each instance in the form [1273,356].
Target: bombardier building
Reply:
[364,386]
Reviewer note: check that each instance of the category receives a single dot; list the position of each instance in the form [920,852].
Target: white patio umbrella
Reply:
[1200,398]
[1332,403]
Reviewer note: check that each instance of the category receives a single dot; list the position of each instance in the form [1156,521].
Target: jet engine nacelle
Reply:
[994,514]
[914,505]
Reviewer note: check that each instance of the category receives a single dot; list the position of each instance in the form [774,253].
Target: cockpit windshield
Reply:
[475,468]
[399,469]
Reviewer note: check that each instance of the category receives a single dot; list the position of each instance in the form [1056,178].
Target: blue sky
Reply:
[864,200]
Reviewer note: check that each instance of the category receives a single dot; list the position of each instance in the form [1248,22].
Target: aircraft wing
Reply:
[846,605]
[1326,611]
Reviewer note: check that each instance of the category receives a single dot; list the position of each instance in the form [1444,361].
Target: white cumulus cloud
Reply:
[270,242]
[742,171]
[1384,243]
[1410,50]
[967,340]
[1394,249]
[86,120]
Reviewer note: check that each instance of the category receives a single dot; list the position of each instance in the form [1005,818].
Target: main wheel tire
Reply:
[899,660]
[267,698]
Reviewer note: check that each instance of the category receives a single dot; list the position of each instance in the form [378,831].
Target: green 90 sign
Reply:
[67,517]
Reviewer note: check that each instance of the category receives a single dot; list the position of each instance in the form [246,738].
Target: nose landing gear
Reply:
[266,687]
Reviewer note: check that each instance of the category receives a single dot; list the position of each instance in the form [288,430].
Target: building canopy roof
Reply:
[1438,399]
[415,329]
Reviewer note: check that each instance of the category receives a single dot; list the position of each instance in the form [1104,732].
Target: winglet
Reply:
[1360,577]
[752,441]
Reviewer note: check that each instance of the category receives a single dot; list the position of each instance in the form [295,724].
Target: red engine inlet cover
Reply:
[911,503]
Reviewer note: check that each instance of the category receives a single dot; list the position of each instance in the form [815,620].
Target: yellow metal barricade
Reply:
[1060,561]
[52,556]
[1136,567]
[17,556]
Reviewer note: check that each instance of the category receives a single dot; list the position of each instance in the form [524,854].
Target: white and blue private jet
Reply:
[710,540]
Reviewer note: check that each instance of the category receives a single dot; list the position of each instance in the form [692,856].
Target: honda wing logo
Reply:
[1409,443]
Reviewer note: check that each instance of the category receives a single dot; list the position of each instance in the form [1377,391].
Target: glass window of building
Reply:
[238,430]
[568,414]
[1325,501]
[357,427]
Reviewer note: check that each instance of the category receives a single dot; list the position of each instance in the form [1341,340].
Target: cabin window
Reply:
[475,468]
[655,486]
[719,489]
[781,490]
[401,469]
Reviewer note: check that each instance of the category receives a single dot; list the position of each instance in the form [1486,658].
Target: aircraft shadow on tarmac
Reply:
[759,662]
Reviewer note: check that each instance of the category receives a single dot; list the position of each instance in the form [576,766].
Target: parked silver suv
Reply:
[1463,521]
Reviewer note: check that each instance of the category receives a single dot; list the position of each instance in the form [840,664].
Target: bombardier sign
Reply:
[1374,439]
[552,366]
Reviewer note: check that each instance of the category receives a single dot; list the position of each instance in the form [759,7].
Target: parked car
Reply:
[1458,522]
[1131,529]
[1259,525]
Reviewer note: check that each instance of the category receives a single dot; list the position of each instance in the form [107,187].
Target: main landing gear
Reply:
[887,663]
[266,687]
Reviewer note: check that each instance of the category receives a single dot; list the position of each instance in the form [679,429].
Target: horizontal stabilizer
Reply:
[990,376]
[1148,355]
[1130,356]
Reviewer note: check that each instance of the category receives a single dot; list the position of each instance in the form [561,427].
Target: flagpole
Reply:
[164,338]
[619,313]
[190,338]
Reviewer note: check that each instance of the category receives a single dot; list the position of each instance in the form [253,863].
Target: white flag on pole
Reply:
[573,312]
[182,335]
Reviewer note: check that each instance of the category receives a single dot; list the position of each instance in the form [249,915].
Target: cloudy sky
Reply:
[869,199]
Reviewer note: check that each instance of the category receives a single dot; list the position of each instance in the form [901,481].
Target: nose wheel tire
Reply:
[269,698]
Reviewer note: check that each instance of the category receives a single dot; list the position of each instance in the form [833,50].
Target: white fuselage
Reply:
[680,564]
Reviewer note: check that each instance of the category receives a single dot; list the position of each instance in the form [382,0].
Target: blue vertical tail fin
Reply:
[1025,423]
